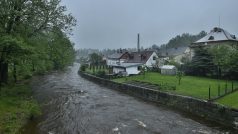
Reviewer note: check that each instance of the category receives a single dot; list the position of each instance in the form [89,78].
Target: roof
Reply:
[139,57]
[124,65]
[116,56]
[216,35]
[173,51]
[168,67]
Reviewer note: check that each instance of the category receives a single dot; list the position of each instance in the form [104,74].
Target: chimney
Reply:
[138,42]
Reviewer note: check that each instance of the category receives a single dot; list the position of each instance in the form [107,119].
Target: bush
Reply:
[101,74]
[83,68]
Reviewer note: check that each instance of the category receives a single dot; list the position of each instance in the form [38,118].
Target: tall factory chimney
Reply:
[138,42]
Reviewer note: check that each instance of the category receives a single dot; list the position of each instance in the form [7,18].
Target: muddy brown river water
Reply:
[74,105]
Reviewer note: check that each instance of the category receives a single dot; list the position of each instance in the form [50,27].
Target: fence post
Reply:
[226,87]
[232,86]
[209,93]
[219,90]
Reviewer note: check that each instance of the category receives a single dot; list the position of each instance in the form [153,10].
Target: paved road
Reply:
[73,105]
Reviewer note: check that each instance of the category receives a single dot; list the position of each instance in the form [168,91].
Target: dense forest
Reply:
[183,40]
[33,37]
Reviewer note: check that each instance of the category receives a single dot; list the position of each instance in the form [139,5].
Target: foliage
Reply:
[101,73]
[179,76]
[183,40]
[216,61]
[95,59]
[16,107]
[201,64]
[83,68]
[34,37]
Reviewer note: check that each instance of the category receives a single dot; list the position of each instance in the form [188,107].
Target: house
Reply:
[216,37]
[175,54]
[127,68]
[168,70]
[147,58]
[131,62]
[116,58]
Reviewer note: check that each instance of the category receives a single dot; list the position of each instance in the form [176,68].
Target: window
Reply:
[154,57]
[211,38]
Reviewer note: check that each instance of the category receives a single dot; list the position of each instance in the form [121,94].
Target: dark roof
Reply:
[217,35]
[139,57]
[116,56]
[173,51]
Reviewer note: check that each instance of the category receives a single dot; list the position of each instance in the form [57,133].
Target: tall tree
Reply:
[27,18]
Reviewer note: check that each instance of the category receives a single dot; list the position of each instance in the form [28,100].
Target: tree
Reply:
[220,55]
[179,76]
[26,19]
[95,59]
[201,64]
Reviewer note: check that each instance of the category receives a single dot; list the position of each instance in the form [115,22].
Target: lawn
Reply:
[90,71]
[16,107]
[197,87]
[230,100]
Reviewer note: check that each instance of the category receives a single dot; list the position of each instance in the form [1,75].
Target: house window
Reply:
[211,38]
[154,57]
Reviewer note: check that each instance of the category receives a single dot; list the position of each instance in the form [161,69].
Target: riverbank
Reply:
[17,107]
[202,108]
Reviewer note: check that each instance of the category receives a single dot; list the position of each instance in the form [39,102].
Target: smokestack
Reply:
[138,42]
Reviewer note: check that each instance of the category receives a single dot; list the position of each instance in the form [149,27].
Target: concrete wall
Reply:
[209,111]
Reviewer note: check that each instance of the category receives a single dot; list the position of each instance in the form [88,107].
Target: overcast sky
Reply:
[115,23]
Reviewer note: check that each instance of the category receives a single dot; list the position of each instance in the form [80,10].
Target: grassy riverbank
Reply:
[190,86]
[17,106]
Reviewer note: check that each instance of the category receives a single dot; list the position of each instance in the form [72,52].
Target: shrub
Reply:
[101,74]
[83,68]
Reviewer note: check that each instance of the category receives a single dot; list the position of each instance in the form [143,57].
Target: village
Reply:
[180,70]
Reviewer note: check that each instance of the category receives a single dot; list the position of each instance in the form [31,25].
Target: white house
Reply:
[127,68]
[147,58]
[168,70]
[116,58]
[216,37]
[131,62]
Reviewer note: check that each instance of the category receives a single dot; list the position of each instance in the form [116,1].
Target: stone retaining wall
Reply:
[202,108]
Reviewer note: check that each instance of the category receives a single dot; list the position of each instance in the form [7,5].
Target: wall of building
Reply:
[151,61]
[118,69]
[204,109]
[132,70]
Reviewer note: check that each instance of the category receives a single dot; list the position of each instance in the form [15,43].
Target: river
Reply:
[74,105]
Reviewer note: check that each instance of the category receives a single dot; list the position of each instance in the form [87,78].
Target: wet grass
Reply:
[230,100]
[91,71]
[16,107]
[197,87]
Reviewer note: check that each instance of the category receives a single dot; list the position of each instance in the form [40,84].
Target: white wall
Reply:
[132,70]
[117,70]
[111,62]
[150,61]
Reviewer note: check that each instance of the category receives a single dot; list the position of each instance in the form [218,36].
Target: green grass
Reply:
[16,107]
[190,86]
[96,70]
[230,100]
